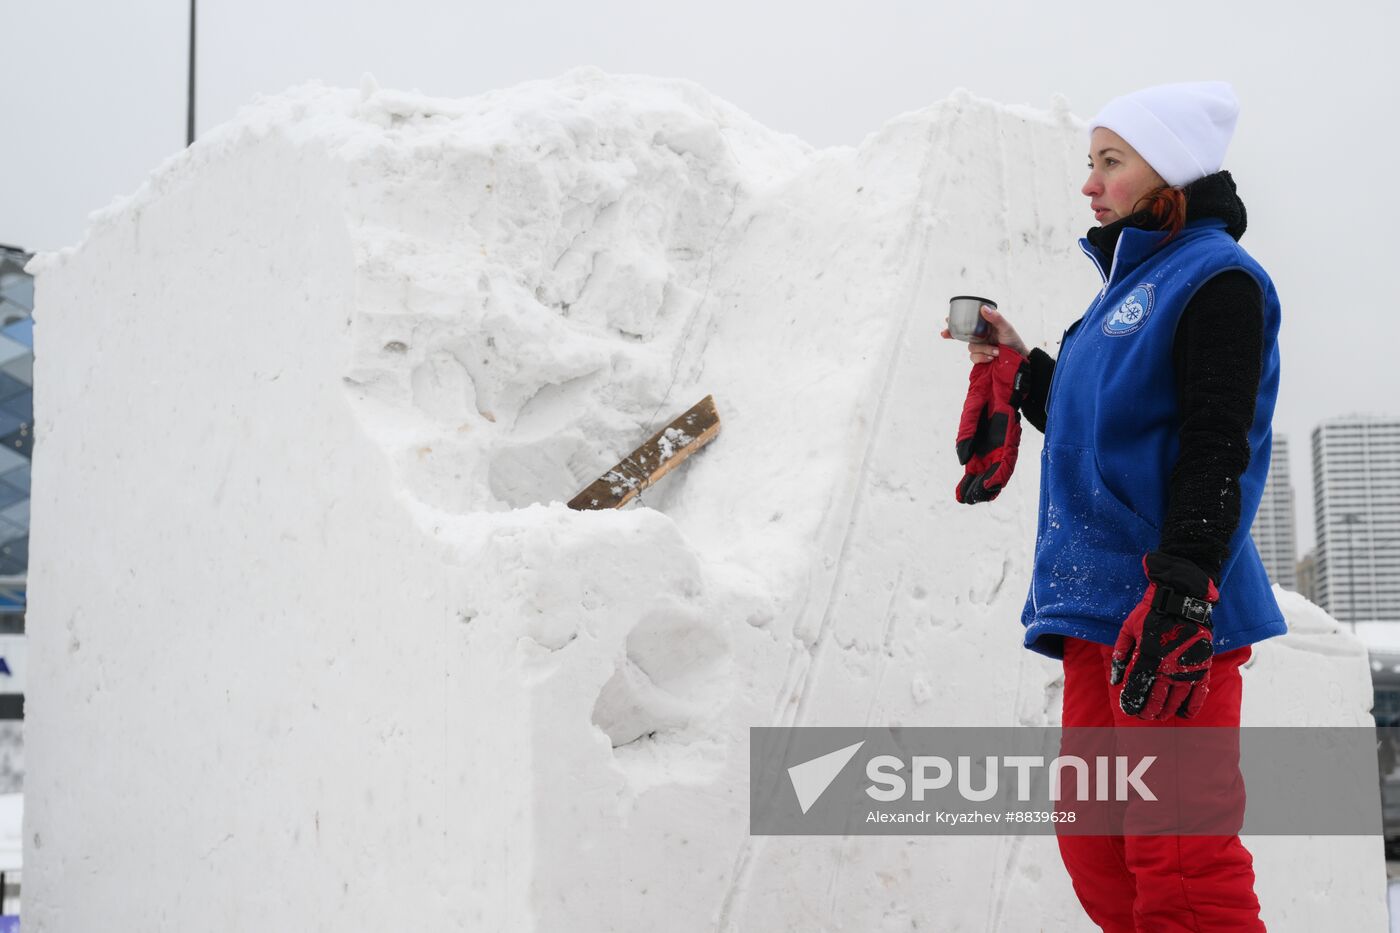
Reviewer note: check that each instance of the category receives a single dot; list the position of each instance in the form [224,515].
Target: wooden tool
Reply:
[662,453]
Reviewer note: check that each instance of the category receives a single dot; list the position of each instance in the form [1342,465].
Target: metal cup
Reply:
[965,321]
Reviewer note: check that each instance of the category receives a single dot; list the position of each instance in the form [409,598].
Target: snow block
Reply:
[316,643]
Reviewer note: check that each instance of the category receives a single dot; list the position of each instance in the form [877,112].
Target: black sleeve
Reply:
[1218,358]
[1042,370]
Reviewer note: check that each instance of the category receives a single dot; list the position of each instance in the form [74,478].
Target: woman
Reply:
[1156,419]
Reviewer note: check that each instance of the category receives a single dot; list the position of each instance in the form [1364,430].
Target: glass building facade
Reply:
[16,448]
[1275,528]
[16,430]
[1356,488]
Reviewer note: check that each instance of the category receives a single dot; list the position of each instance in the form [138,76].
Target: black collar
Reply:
[1211,196]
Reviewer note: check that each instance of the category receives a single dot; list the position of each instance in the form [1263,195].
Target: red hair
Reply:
[1168,207]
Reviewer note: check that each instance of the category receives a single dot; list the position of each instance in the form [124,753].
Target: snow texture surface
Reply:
[316,645]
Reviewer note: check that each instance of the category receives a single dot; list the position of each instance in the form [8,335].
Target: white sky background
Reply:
[94,98]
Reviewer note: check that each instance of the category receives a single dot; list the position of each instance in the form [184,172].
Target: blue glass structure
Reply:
[16,424]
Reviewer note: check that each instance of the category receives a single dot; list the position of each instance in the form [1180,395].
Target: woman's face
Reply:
[1118,176]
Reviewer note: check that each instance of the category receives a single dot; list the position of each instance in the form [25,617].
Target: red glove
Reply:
[1165,643]
[989,434]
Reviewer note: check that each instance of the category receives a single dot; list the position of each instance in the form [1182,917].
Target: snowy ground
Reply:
[11,831]
[1392,874]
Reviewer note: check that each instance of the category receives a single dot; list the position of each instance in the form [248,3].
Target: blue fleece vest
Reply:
[1111,443]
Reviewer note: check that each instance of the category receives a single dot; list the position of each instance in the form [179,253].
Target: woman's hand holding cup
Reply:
[1001,334]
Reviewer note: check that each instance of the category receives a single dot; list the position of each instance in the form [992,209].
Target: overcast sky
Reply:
[95,98]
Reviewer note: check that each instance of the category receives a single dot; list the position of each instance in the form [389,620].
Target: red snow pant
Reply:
[1156,883]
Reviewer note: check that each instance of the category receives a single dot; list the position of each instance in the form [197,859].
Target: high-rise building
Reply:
[16,426]
[1307,576]
[1356,490]
[1275,528]
[16,446]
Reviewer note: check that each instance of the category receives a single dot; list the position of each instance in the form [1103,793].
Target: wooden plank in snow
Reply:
[653,460]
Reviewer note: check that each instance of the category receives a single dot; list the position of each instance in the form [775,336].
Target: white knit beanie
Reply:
[1182,130]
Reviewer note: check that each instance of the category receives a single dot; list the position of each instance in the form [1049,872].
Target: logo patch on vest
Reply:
[1131,314]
